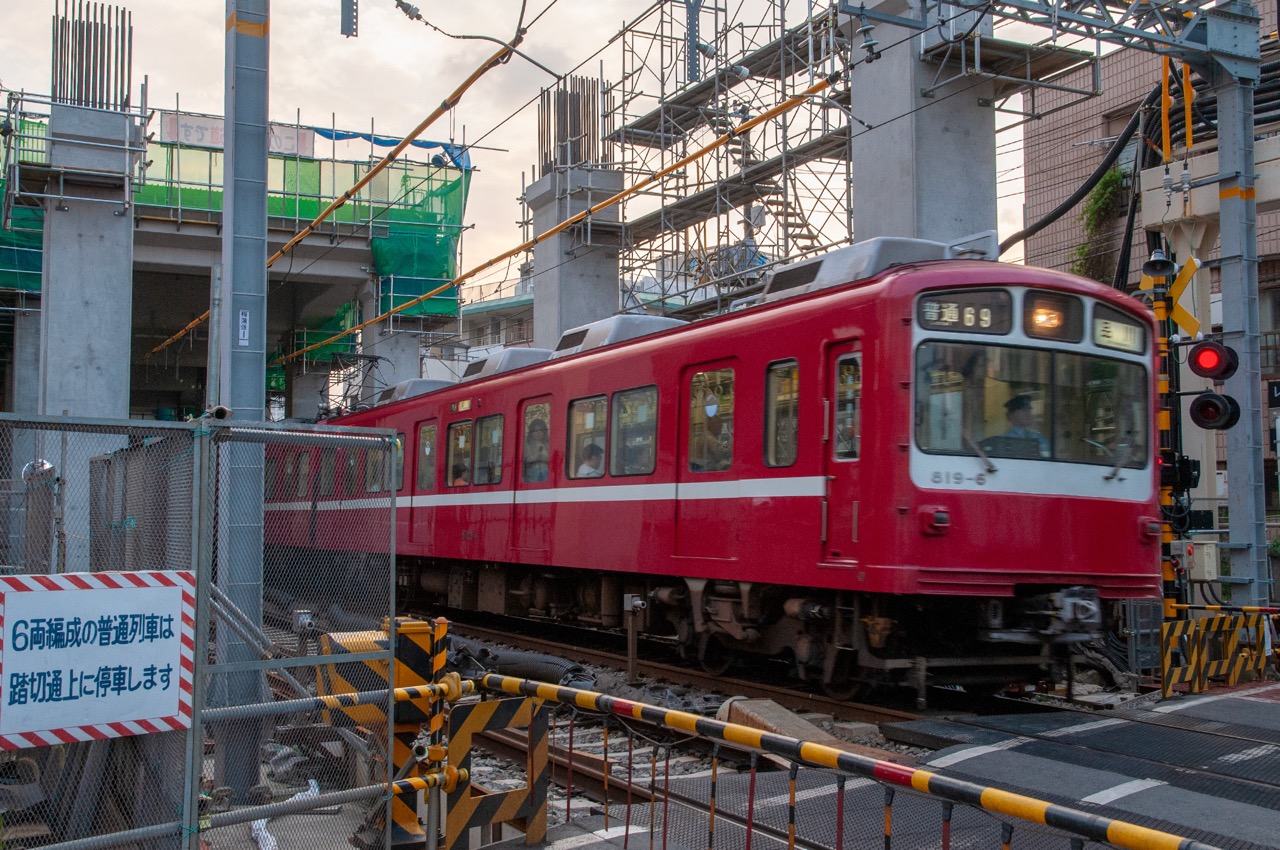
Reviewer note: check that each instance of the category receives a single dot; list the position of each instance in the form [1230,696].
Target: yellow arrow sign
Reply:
[1186,322]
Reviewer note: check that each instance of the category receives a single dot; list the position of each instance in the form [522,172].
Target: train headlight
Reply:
[1049,315]
[1046,318]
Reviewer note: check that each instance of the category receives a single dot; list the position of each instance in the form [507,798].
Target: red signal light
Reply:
[1207,359]
[1212,360]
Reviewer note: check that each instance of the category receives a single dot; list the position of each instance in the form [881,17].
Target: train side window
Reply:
[375,469]
[290,476]
[270,476]
[349,475]
[399,461]
[635,426]
[848,394]
[459,454]
[711,421]
[427,457]
[587,430]
[324,485]
[781,413]
[488,450]
[304,475]
[535,459]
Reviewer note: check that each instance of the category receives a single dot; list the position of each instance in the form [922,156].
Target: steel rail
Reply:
[784,696]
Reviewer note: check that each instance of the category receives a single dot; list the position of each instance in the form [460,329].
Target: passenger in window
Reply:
[537,452]
[459,475]
[1018,411]
[592,465]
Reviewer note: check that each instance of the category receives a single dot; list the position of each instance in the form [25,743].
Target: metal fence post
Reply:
[202,501]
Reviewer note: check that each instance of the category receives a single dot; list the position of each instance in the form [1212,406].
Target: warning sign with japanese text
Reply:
[87,656]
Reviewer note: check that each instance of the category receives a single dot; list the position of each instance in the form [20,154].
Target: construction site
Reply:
[263,470]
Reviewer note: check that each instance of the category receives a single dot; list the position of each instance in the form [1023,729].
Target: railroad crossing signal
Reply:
[1214,361]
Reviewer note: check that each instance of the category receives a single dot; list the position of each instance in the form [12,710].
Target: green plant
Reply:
[1101,207]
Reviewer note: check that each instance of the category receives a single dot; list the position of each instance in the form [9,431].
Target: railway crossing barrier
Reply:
[956,800]
[1224,647]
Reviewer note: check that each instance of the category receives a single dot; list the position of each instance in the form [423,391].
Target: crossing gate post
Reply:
[1180,637]
[1223,633]
[413,667]
[526,806]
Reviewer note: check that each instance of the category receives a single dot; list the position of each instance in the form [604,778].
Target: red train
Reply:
[893,466]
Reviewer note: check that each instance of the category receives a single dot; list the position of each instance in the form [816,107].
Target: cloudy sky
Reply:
[394,74]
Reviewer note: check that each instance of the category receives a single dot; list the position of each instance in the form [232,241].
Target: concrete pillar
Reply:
[25,397]
[400,353]
[87,295]
[306,392]
[928,168]
[573,282]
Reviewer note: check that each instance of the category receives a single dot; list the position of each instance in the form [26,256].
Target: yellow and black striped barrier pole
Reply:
[449,690]
[1090,826]
[1233,609]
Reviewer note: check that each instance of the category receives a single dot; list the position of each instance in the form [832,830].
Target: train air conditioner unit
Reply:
[612,330]
[504,361]
[867,259]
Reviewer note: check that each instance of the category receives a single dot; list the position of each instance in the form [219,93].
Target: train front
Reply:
[1032,485]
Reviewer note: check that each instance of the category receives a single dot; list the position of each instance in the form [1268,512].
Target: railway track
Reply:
[791,698]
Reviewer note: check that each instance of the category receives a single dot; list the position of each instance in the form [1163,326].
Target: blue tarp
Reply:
[459,156]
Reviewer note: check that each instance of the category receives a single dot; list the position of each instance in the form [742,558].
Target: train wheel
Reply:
[713,655]
[846,690]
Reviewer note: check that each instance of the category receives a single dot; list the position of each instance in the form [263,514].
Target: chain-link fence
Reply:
[178,601]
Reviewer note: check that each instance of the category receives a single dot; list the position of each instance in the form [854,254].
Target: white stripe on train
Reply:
[751,488]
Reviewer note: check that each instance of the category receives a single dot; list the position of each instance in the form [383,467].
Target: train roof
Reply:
[868,259]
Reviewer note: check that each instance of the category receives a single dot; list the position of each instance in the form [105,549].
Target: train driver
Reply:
[1018,411]
[592,465]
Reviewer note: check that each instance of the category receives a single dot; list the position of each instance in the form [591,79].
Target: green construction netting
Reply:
[21,249]
[347,317]
[413,210]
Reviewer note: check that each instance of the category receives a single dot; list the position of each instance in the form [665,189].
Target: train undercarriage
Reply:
[842,641]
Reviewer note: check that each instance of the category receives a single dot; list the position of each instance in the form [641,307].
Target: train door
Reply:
[707,469]
[533,512]
[842,395]
[427,447]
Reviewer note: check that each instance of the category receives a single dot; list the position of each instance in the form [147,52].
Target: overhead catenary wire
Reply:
[1084,188]
[768,115]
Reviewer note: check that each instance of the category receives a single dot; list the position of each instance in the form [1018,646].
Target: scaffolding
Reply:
[702,238]
[706,236]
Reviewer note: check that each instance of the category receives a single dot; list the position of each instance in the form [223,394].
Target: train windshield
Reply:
[1031,403]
